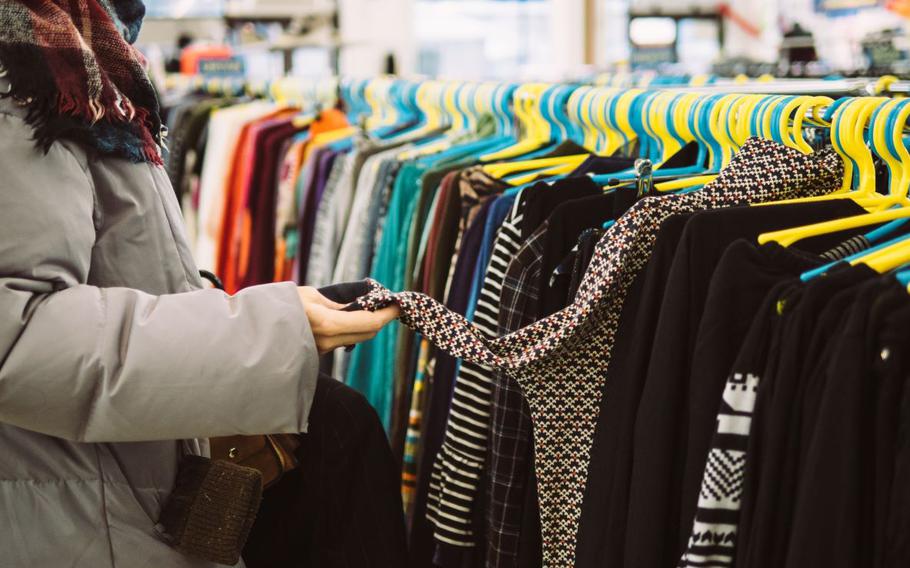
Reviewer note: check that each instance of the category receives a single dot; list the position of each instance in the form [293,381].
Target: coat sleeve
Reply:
[115,364]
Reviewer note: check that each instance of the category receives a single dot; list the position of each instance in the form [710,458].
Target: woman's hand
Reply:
[334,328]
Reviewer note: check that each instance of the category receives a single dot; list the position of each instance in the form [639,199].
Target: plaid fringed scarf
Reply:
[72,64]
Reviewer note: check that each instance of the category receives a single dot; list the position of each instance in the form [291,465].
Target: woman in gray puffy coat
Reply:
[114,362]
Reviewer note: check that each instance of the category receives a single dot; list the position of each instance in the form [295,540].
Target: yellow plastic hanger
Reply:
[849,120]
[606,136]
[734,118]
[688,107]
[623,124]
[765,112]
[742,130]
[540,133]
[535,129]
[684,183]
[887,259]
[564,166]
[656,125]
[588,103]
[503,169]
[720,115]
[897,254]
[577,112]
[694,108]
[787,237]
[880,146]
[800,107]
[428,101]
[276,93]
[482,99]
[458,122]
[899,177]
[847,127]
[856,145]
[844,122]
[681,114]
[377,112]
[463,101]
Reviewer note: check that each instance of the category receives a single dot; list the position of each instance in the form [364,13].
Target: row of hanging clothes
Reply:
[645,328]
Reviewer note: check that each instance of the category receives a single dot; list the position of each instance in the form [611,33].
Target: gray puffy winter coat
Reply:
[114,361]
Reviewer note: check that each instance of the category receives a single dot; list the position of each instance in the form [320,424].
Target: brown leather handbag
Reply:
[272,455]
[212,508]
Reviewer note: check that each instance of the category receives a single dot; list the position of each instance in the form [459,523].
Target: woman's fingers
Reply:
[333,328]
[388,314]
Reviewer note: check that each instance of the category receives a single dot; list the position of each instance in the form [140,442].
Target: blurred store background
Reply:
[531,39]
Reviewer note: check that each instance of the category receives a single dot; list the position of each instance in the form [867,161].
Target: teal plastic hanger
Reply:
[352,92]
[703,131]
[404,98]
[502,109]
[553,108]
[892,124]
[830,115]
[820,271]
[777,118]
[903,276]
[627,174]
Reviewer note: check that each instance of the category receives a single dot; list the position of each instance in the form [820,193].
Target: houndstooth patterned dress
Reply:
[560,362]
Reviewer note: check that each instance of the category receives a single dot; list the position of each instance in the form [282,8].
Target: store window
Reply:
[184,8]
[484,39]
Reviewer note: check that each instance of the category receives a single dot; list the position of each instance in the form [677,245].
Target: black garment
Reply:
[897,532]
[542,198]
[834,510]
[742,279]
[581,258]
[660,435]
[596,165]
[530,543]
[603,511]
[891,367]
[564,226]
[714,530]
[346,293]
[831,328]
[770,476]
[342,507]
[607,508]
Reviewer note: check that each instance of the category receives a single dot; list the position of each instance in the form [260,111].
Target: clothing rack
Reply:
[325,92]
[516,211]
